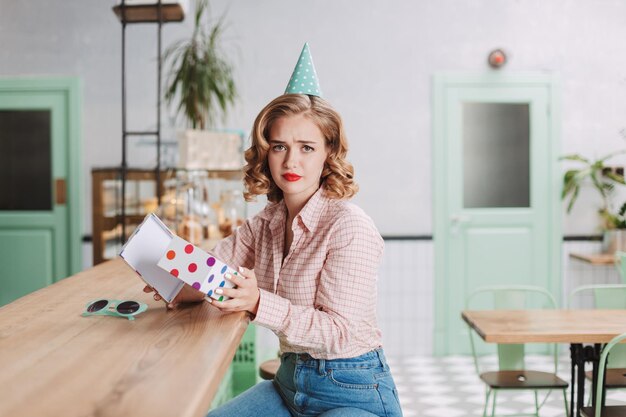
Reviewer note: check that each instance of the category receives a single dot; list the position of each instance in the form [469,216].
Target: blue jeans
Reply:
[305,386]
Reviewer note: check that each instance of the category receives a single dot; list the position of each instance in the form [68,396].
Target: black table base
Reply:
[580,355]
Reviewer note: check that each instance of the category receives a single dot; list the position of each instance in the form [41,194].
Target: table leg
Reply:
[579,355]
[594,354]
[580,380]
[572,353]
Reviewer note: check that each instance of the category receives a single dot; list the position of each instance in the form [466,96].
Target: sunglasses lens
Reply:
[97,306]
[127,307]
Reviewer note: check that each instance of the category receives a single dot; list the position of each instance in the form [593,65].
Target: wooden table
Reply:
[575,327]
[53,362]
[595,258]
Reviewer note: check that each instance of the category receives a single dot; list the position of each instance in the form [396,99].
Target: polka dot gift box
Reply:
[196,267]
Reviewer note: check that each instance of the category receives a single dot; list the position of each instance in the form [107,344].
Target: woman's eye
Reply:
[278,148]
[307,148]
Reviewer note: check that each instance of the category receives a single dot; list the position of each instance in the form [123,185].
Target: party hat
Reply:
[304,78]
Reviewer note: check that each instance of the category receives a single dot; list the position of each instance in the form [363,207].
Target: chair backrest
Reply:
[509,297]
[620,264]
[605,297]
[609,348]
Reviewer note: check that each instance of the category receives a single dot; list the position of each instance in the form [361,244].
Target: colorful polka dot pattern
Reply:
[304,78]
[197,268]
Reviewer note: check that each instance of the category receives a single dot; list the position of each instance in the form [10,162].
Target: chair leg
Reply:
[536,404]
[493,408]
[565,402]
[487,395]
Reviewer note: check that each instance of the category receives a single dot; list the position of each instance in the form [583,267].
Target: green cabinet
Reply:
[242,372]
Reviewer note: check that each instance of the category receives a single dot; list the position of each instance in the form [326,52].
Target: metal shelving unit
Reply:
[159,14]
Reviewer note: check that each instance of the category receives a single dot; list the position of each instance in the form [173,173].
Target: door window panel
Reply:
[496,155]
[25,160]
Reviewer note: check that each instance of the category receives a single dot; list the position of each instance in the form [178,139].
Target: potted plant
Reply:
[604,179]
[202,87]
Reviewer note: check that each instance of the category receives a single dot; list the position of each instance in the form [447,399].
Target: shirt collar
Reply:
[309,215]
[312,210]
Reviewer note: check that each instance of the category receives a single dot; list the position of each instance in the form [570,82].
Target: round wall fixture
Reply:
[497,58]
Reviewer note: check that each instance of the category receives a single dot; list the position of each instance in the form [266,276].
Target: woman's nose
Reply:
[290,160]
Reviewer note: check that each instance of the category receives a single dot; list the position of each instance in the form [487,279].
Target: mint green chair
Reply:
[606,410]
[620,264]
[512,373]
[607,297]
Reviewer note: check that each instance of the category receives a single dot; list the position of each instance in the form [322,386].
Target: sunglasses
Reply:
[119,308]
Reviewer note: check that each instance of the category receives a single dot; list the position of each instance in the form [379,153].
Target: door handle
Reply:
[60,191]
[457,218]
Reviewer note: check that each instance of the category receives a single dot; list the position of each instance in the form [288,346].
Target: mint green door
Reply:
[39,181]
[496,192]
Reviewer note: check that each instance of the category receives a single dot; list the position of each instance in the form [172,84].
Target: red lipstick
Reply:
[291,177]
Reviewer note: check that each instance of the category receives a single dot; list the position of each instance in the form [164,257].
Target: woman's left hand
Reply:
[243,298]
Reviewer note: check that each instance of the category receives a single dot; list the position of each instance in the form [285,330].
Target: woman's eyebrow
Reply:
[280,142]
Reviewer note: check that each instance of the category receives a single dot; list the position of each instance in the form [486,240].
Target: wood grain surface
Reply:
[547,326]
[595,258]
[54,362]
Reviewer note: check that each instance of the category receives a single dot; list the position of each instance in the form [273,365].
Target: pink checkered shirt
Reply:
[321,299]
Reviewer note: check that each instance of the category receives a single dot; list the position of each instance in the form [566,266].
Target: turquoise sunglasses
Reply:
[119,308]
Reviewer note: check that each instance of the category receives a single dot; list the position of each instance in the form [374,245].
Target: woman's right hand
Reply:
[186,295]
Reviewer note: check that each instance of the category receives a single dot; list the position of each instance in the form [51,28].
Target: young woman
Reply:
[309,266]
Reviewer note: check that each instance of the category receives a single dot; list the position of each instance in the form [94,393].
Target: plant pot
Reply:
[203,149]
[614,240]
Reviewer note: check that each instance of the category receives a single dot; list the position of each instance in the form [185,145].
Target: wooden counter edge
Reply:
[594,259]
[205,401]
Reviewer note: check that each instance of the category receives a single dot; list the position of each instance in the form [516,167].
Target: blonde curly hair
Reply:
[338,173]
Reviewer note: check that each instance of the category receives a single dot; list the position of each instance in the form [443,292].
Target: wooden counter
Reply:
[53,362]
[595,258]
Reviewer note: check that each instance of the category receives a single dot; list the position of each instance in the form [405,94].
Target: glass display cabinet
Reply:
[197,205]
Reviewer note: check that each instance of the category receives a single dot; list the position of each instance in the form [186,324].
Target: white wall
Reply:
[375,60]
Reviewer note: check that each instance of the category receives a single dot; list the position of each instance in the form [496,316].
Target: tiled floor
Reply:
[449,387]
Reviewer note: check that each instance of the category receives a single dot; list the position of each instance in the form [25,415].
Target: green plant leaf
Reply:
[574,157]
[569,182]
[615,177]
[200,78]
[575,191]
[604,183]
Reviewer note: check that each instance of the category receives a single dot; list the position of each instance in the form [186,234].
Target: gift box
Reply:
[142,252]
[194,266]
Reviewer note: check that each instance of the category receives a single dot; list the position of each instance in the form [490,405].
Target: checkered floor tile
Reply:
[449,387]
